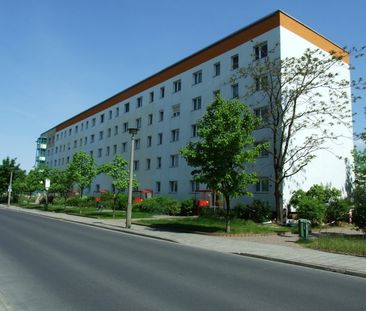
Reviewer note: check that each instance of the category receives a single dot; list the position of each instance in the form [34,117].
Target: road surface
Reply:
[47,264]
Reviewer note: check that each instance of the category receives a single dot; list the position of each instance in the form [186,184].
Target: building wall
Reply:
[77,133]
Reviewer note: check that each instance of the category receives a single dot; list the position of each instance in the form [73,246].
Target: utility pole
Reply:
[133,132]
[10,187]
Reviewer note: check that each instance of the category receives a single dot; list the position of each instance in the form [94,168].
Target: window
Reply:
[102,118]
[92,138]
[197,103]
[109,132]
[108,151]
[264,153]
[138,123]
[148,164]
[151,97]
[235,61]
[262,185]
[149,119]
[263,113]
[175,135]
[194,130]
[175,110]
[139,102]
[110,114]
[173,186]
[100,135]
[75,143]
[158,162]
[173,160]
[117,112]
[70,132]
[137,144]
[216,93]
[261,82]
[80,142]
[67,160]
[217,69]
[149,139]
[125,127]
[261,50]
[68,146]
[91,153]
[124,147]
[82,126]
[157,186]
[93,122]
[235,91]
[177,86]
[99,152]
[160,138]
[197,77]
[161,115]
[114,149]
[127,107]
[195,186]
[76,129]
[162,92]
[136,165]
[87,125]
[85,140]
[116,130]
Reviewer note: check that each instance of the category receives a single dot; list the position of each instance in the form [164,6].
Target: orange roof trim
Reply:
[246,34]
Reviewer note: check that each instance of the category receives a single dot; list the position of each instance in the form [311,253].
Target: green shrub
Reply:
[337,210]
[310,208]
[77,201]
[121,201]
[186,207]
[258,211]
[160,205]
[359,212]
[208,212]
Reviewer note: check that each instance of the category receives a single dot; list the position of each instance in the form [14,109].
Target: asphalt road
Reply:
[47,264]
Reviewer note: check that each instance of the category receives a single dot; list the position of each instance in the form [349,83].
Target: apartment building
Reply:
[166,106]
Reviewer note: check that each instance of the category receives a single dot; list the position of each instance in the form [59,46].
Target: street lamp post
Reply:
[10,187]
[133,132]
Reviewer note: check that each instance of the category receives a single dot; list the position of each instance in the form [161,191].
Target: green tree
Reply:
[305,97]
[7,166]
[82,170]
[117,170]
[224,148]
[61,182]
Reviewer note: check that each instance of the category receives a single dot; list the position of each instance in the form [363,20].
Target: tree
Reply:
[304,96]
[117,170]
[61,182]
[224,148]
[82,170]
[7,166]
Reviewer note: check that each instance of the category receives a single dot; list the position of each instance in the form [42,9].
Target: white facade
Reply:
[167,121]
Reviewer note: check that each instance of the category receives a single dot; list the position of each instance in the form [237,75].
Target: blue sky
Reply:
[59,57]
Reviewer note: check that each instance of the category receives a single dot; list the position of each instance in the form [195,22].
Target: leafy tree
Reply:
[117,170]
[82,170]
[224,147]
[61,182]
[303,96]
[7,166]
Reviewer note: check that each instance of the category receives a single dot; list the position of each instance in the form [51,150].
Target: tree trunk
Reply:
[278,201]
[227,218]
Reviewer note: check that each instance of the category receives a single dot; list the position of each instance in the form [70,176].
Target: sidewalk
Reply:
[347,264]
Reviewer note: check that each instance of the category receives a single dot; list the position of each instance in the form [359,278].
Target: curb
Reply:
[307,265]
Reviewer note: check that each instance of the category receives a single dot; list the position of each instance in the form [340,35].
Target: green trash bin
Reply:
[304,228]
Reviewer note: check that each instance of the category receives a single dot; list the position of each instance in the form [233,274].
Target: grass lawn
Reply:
[352,244]
[212,225]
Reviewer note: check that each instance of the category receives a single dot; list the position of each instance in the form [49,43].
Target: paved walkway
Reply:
[347,264]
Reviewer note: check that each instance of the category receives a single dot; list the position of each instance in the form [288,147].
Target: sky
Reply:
[60,57]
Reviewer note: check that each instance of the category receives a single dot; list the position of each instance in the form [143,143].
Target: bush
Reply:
[258,211]
[337,210]
[160,205]
[121,201]
[77,201]
[209,212]
[310,208]
[186,207]
[359,212]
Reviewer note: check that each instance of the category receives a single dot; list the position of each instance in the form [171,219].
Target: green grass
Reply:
[352,244]
[212,225]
